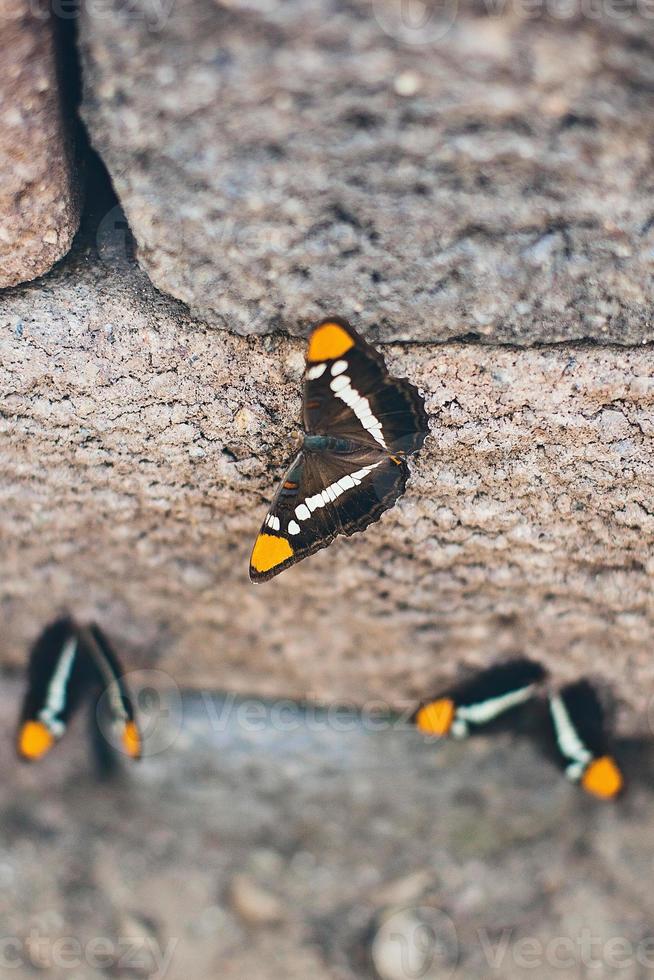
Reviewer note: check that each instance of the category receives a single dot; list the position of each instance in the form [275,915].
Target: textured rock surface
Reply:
[139,450]
[488,176]
[39,199]
[340,831]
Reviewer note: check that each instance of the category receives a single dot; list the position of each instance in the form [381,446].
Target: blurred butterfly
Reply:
[360,425]
[480,700]
[581,742]
[69,664]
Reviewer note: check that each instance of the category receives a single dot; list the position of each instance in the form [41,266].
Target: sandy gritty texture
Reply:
[491,176]
[39,199]
[310,852]
[139,451]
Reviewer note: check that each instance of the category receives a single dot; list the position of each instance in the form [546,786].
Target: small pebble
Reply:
[252,903]
[408,83]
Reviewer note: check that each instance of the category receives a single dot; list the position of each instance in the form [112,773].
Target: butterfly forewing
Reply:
[58,678]
[348,393]
[581,741]
[117,700]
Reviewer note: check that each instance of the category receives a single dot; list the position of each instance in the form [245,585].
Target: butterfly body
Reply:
[360,424]
[314,443]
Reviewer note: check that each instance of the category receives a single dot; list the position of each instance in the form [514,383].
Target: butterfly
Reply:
[360,425]
[581,743]
[476,702]
[67,665]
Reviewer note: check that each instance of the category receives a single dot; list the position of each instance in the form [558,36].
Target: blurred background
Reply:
[186,186]
[279,841]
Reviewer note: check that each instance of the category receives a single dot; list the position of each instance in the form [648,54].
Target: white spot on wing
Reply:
[316,371]
[302,512]
[338,367]
[293,527]
[342,381]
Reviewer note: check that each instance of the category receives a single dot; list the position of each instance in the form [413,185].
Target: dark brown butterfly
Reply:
[69,664]
[360,425]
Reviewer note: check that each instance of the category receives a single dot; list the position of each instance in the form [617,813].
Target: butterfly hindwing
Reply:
[349,393]
[323,495]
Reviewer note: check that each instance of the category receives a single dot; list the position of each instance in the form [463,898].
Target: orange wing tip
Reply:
[328,340]
[268,552]
[132,740]
[34,740]
[436,717]
[603,779]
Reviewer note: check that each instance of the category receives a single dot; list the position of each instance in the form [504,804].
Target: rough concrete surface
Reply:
[316,852]
[486,175]
[39,196]
[139,450]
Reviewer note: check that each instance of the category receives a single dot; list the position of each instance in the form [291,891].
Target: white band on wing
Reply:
[330,493]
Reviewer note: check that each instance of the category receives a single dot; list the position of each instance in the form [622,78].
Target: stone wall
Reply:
[478,205]
[39,192]
[140,449]
[485,175]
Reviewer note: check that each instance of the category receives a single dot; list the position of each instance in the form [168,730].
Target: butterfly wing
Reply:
[581,742]
[116,698]
[322,495]
[348,393]
[58,678]
[491,697]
